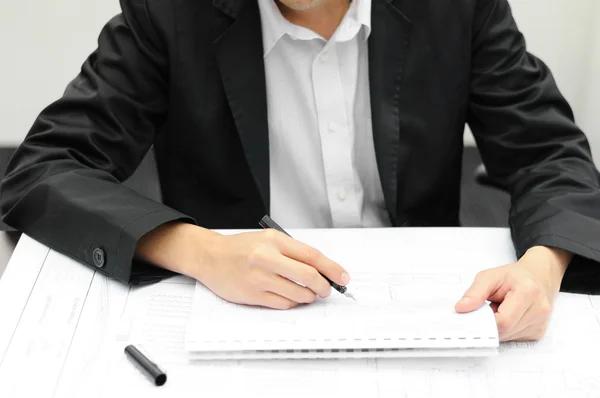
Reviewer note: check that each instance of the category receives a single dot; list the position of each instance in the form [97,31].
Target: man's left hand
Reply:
[522,294]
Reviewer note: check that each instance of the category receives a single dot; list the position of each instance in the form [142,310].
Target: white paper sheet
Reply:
[84,369]
[561,365]
[155,319]
[16,286]
[402,314]
[40,345]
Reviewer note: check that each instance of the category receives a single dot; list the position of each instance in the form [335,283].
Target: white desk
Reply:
[62,333]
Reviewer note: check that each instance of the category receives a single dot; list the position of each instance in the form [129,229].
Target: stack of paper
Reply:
[395,315]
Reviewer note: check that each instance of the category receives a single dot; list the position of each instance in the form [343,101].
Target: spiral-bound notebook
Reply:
[395,315]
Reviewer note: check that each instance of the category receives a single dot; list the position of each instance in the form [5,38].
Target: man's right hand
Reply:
[254,268]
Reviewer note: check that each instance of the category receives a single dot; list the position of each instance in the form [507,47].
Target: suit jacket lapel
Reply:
[239,52]
[388,45]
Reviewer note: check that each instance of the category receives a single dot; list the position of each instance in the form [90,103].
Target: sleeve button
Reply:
[99,257]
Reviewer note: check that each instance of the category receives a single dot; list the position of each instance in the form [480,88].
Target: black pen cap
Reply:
[148,367]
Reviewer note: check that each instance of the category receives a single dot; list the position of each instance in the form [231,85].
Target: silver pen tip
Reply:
[349,295]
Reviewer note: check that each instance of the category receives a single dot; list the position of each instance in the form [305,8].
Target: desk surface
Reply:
[64,327]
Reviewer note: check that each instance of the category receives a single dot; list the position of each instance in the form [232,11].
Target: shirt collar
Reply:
[275,26]
[358,16]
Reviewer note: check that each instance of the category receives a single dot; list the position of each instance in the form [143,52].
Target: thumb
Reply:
[484,286]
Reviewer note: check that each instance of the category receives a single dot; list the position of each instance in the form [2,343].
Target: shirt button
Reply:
[323,58]
[99,257]
[341,193]
[332,126]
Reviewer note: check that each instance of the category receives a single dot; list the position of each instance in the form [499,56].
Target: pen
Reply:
[267,222]
[148,367]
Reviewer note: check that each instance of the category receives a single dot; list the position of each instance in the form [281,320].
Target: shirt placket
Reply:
[334,128]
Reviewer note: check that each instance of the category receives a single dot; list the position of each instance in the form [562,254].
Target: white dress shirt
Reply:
[323,171]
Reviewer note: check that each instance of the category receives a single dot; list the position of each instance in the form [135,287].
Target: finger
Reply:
[532,327]
[484,286]
[275,301]
[519,339]
[532,333]
[518,333]
[288,289]
[512,310]
[301,273]
[303,253]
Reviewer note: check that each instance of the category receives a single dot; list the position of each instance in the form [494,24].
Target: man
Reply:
[322,113]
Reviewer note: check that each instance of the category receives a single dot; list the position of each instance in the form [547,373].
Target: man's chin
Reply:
[301,5]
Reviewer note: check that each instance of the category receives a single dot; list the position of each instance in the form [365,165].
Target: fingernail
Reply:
[465,300]
[345,278]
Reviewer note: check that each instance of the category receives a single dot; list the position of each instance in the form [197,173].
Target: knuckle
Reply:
[258,256]
[531,288]
[545,308]
[535,289]
[272,302]
[314,282]
[481,275]
[504,323]
[312,255]
[255,299]
[309,297]
[271,234]
[537,334]
[312,276]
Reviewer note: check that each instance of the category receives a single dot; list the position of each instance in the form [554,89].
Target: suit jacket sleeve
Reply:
[527,137]
[63,185]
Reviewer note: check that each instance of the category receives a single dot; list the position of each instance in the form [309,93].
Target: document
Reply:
[394,315]
[41,342]
[156,318]
[85,327]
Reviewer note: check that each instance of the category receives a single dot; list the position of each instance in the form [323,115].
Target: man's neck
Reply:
[323,20]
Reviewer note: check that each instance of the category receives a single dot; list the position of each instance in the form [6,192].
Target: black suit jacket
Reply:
[187,76]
